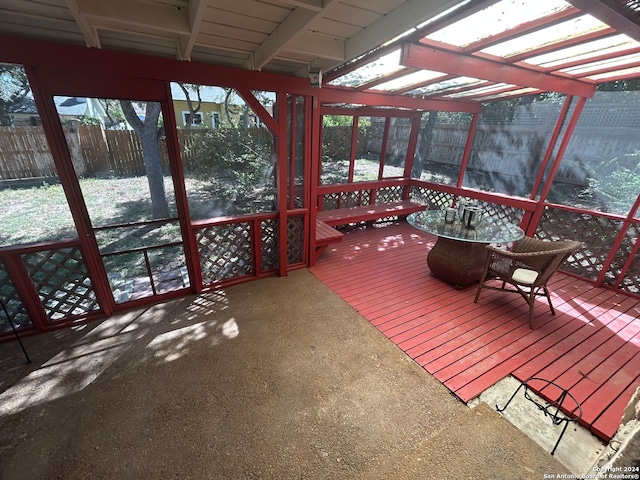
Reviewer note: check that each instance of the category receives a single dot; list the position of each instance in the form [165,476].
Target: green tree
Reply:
[194,106]
[149,133]
[14,87]
[614,184]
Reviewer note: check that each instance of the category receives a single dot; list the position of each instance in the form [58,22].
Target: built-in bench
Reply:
[367,201]
[327,219]
[365,213]
[325,236]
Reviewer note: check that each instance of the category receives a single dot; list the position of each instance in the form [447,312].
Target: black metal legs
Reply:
[15,331]
[553,409]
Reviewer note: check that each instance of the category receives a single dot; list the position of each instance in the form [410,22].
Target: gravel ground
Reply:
[274,379]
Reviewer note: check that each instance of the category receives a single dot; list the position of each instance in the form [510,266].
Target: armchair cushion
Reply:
[524,276]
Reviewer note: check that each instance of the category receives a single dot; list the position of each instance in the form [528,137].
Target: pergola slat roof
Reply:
[478,50]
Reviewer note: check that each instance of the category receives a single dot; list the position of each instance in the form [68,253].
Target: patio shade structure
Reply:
[481,50]
[385,59]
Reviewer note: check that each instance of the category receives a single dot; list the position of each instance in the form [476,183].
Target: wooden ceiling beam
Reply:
[89,33]
[197,9]
[126,15]
[419,56]
[289,30]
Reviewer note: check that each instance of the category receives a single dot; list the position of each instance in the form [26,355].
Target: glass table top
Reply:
[432,221]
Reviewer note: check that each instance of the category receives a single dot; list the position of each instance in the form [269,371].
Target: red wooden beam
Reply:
[524,29]
[431,58]
[340,95]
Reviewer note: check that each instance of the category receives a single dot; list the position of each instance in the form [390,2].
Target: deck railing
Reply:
[610,255]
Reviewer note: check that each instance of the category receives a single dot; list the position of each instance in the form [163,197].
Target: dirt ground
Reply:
[274,379]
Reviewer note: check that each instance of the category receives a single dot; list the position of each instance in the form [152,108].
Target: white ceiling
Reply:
[283,36]
[472,50]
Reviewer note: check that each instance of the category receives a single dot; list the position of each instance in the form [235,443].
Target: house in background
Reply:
[77,108]
[24,112]
[212,112]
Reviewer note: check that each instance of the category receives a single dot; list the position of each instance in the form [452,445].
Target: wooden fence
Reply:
[25,154]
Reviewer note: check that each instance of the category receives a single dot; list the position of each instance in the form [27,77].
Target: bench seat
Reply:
[343,216]
[326,235]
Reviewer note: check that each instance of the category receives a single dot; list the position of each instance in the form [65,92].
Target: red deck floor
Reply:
[591,346]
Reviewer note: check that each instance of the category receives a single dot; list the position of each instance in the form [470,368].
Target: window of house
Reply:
[215,119]
[196,119]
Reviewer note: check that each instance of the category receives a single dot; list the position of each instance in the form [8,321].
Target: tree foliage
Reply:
[237,161]
[14,87]
[614,184]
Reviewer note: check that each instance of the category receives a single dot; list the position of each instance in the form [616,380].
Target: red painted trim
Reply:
[552,143]
[367,111]
[554,47]
[383,151]
[349,187]
[26,291]
[189,244]
[467,149]
[411,152]
[262,112]
[309,200]
[616,246]
[291,158]
[354,146]
[420,56]
[71,187]
[535,220]
[281,180]
[348,96]
[212,222]
[525,28]
[61,57]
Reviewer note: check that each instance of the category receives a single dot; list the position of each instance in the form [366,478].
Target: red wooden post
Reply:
[540,205]
[71,187]
[411,152]
[176,167]
[281,181]
[291,159]
[467,148]
[616,246]
[24,287]
[354,144]
[552,143]
[314,149]
[383,147]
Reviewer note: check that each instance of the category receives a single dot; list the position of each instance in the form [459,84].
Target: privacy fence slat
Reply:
[24,152]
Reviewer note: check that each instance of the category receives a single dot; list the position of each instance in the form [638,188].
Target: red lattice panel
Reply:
[12,302]
[225,251]
[598,235]
[631,281]
[270,250]
[61,280]
[295,240]
[389,194]
[433,198]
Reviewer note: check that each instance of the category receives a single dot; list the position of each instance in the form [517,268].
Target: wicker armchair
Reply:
[527,268]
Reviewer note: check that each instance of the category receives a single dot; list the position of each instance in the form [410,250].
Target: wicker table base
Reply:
[458,262]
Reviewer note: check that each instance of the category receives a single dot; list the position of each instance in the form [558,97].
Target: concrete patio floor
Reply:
[277,378]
